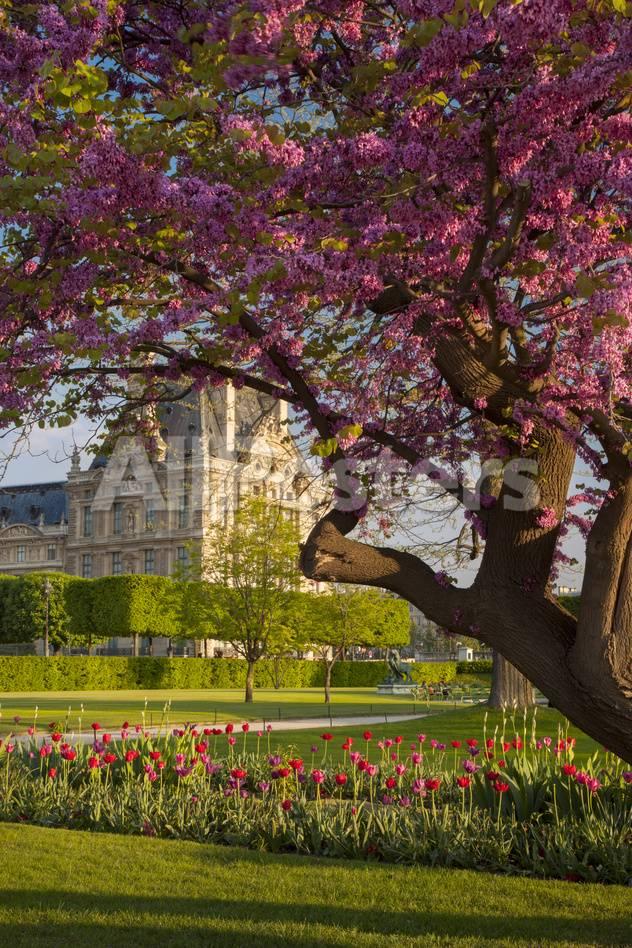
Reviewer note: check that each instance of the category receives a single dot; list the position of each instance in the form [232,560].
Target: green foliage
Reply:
[355,616]
[365,674]
[570,603]
[81,673]
[23,605]
[6,591]
[135,605]
[480,666]
[252,570]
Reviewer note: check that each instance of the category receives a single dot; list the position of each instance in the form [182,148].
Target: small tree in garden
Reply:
[250,565]
[134,606]
[6,588]
[35,607]
[411,220]
[334,622]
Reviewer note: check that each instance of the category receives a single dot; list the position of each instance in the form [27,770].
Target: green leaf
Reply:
[323,449]
[423,33]
[585,285]
[81,106]
[334,243]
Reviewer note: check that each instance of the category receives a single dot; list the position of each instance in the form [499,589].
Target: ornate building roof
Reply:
[36,504]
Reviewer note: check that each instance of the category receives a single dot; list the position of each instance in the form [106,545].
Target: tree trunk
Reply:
[328,669]
[136,645]
[510,688]
[170,649]
[583,667]
[250,682]
[150,650]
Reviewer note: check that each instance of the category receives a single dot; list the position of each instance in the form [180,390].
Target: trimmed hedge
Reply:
[480,666]
[81,673]
[366,674]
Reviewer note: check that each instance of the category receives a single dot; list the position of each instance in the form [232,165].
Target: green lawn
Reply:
[445,724]
[111,708]
[444,721]
[75,889]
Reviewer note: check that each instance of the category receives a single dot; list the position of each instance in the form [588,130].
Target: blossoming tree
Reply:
[409,219]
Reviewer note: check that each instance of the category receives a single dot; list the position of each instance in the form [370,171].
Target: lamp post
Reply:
[47,591]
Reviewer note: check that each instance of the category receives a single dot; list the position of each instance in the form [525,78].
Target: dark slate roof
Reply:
[101,460]
[26,502]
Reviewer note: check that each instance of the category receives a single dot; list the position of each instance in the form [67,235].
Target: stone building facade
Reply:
[138,512]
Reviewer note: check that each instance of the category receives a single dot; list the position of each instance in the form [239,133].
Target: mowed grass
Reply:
[112,708]
[445,725]
[441,719]
[74,889]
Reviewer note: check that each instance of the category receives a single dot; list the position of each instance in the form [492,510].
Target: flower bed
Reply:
[514,804]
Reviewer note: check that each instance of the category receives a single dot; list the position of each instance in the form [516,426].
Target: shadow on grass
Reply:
[122,920]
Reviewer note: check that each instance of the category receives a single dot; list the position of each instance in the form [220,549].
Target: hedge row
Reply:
[480,666]
[82,673]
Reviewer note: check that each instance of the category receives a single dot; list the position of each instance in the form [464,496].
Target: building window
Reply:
[183,512]
[150,517]
[117,518]
[86,566]
[52,553]
[182,557]
[117,566]
[150,561]
[21,554]
[87,521]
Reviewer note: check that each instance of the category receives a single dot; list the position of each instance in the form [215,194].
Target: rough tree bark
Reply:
[250,682]
[521,618]
[510,688]
[328,668]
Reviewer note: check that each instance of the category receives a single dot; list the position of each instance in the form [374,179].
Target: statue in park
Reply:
[400,671]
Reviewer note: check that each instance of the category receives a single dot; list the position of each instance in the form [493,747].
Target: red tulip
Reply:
[463,782]
[472,742]
[455,743]
[501,787]
[154,755]
[367,735]
[341,779]
[238,774]
[93,762]
[56,737]
[492,775]
[245,727]
[286,805]
[229,728]
[433,784]
[106,738]
[95,727]
[52,773]
[326,737]
[569,770]
[109,758]
[391,782]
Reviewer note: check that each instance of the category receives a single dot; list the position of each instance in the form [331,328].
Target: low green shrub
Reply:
[82,673]
[480,666]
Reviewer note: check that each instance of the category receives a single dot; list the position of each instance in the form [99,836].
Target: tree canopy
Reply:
[409,219]
[250,595]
